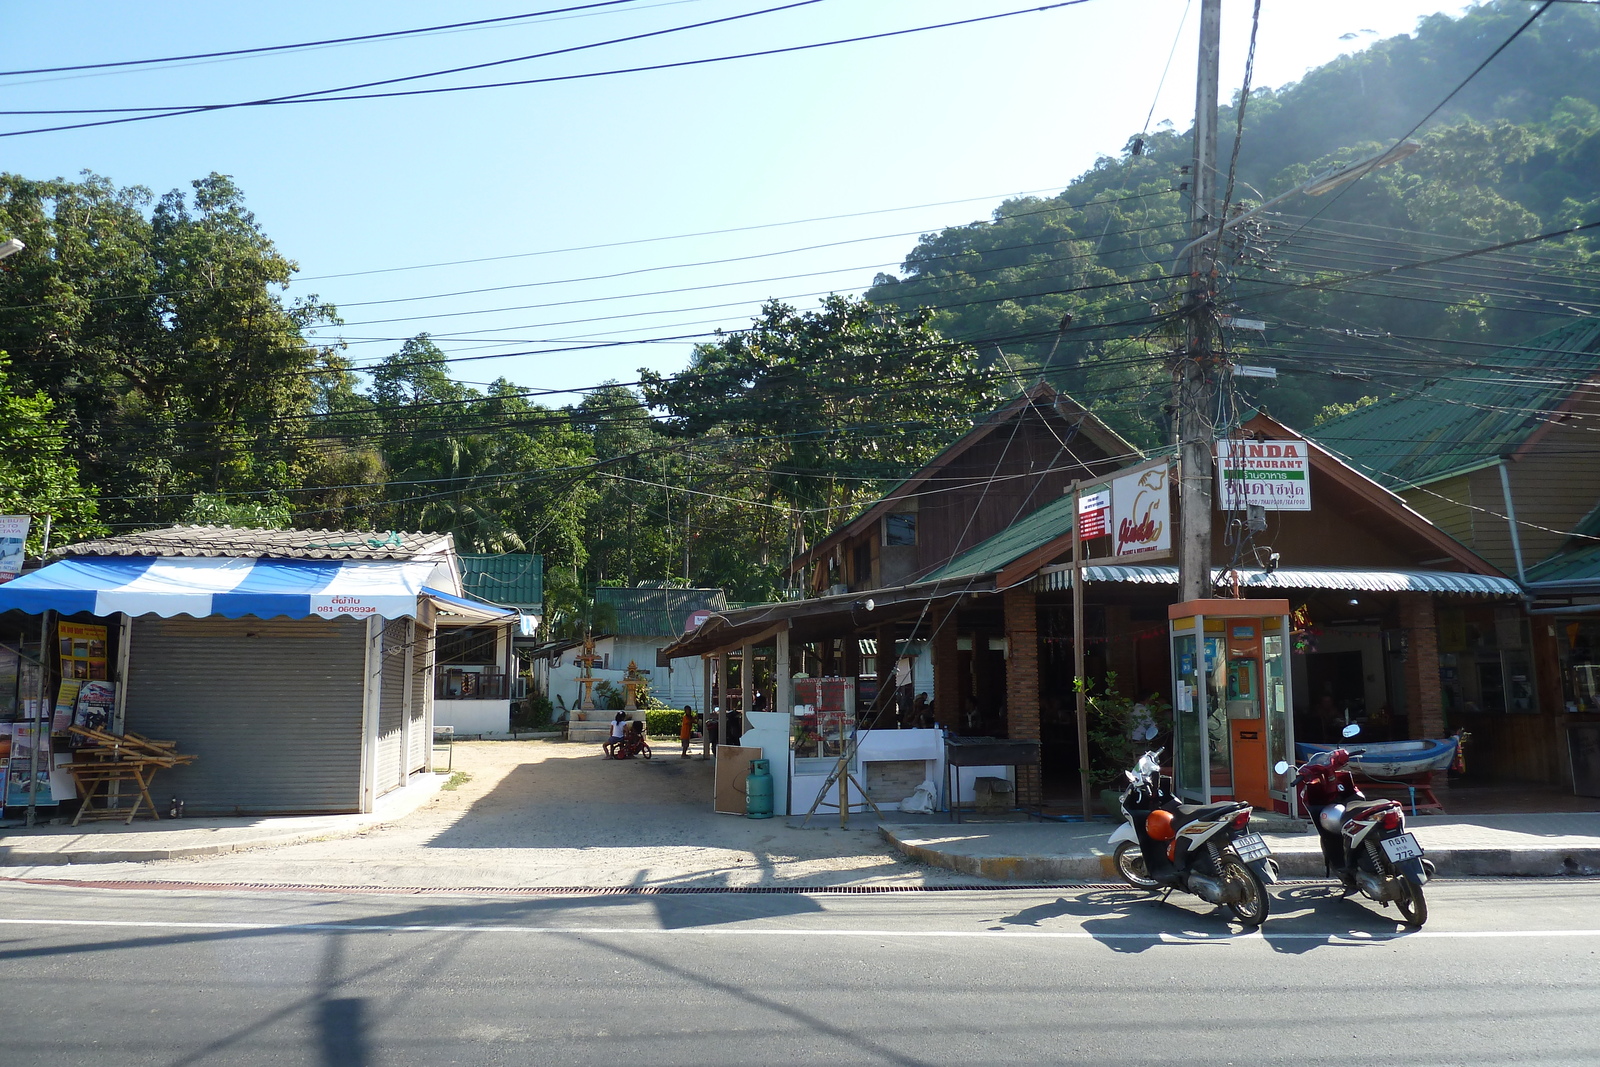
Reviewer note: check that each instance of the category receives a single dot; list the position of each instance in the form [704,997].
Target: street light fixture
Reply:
[11,247]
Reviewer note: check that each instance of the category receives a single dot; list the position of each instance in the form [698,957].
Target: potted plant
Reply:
[1121,729]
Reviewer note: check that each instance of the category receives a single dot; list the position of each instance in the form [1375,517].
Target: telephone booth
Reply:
[1232,716]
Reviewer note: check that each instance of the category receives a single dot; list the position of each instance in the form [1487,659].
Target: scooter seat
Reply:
[1201,812]
[1360,808]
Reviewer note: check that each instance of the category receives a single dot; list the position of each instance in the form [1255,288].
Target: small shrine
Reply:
[632,682]
[586,680]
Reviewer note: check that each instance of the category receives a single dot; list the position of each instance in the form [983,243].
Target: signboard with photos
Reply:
[13,539]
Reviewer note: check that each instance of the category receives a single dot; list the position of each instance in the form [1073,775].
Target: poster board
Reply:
[83,651]
[24,735]
[733,766]
[13,539]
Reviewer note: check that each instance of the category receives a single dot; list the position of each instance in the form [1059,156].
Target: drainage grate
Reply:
[559,891]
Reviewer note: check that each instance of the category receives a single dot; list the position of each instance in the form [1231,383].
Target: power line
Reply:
[301,99]
[314,44]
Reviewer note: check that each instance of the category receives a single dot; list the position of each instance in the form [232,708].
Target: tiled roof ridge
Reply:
[193,541]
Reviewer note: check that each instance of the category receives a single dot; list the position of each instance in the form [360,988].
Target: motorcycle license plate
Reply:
[1252,847]
[1403,847]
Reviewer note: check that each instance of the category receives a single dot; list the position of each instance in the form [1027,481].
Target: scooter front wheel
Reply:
[1131,865]
[1251,909]
[1412,904]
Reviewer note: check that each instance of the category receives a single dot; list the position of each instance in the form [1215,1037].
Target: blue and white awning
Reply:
[233,588]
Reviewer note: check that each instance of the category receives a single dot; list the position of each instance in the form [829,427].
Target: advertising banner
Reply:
[83,651]
[13,536]
[1094,514]
[1275,475]
[1140,517]
[21,778]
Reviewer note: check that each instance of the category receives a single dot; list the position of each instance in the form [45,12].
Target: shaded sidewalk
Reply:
[144,840]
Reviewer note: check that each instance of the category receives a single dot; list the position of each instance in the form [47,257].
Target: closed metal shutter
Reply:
[391,709]
[421,696]
[271,708]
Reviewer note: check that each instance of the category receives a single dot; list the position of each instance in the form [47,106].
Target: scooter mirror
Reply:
[1280,767]
[1350,731]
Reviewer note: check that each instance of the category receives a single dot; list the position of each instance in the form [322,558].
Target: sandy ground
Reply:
[546,813]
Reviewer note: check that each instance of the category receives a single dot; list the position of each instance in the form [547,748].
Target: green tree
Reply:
[37,476]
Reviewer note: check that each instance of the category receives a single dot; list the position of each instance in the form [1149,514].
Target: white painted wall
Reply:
[674,685]
[473,716]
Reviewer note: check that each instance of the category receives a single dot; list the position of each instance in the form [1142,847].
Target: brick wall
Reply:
[891,781]
[1022,683]
[1424,703]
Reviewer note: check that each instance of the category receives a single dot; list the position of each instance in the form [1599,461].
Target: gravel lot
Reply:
[549,813]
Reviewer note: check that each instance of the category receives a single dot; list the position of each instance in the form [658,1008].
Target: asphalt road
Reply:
[1505,972]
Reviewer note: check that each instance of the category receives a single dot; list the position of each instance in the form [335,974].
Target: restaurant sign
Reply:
[1274,475]
[1140,522]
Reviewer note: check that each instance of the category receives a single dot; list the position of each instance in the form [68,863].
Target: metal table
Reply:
[983,752]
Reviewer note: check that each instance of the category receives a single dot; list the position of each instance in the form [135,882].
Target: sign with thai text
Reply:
[1275,475]
[1140,518]
[13,538]
[1094,514]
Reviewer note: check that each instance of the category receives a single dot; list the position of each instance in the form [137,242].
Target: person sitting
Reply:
[618,726]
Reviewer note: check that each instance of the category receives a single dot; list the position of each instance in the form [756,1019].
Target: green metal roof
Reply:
[1023,536]
[1578,565]
[510,579]
[655,611]
[1468,417]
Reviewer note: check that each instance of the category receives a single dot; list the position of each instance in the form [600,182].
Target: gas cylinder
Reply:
[758,790]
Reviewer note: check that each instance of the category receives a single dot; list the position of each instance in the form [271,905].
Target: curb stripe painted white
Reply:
[647,931]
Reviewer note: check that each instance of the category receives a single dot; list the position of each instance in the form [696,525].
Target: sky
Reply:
[568,233]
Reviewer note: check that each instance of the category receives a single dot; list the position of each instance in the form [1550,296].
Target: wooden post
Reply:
[1079,682]
[705,709]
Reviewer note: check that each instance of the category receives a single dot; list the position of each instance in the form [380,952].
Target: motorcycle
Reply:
[1207,850]
[1364,842]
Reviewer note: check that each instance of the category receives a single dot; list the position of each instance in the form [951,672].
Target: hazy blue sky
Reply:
[969,114]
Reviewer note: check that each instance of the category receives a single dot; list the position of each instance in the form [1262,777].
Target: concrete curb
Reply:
[1295,862]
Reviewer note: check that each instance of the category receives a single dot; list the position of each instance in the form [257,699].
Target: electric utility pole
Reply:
[1194,397]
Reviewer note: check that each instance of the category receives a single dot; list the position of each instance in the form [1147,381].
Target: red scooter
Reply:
[1364,841]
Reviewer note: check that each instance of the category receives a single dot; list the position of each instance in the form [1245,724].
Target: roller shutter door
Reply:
[391,708]
[270,708]
[421,698]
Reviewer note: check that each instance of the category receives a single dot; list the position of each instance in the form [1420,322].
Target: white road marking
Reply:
[656,931]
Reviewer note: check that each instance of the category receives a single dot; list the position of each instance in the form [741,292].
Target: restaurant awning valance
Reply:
[1349,579]
[234,588]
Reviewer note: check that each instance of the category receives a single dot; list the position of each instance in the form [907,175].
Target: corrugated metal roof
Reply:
[1468,416]
[655,611]
[241,542]
[515,579]
[1351,579]
[1581,565]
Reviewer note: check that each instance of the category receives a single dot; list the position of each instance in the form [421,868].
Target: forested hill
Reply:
[1514,154]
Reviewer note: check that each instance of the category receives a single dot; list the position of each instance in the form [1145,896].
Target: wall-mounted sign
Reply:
[13,537]
[1140,519]
[695,620]
[1275,475]
[1094,514]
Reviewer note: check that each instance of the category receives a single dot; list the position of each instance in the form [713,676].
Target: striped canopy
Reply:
[233,588]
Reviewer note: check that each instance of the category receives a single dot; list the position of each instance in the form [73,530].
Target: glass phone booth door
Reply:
[1230,701]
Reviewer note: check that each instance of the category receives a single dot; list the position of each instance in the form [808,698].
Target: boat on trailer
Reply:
[1392,759]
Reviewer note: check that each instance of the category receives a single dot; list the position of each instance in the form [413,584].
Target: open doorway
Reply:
[1337,688]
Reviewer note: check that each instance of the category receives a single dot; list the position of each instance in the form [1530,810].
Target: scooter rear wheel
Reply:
[1253,908]
[1412,904]
[1131,865]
